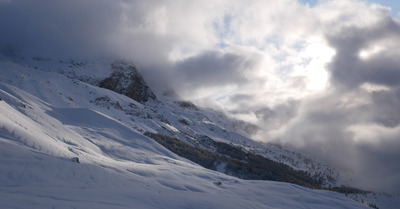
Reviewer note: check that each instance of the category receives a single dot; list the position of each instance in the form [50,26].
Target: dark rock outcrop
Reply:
[126,80]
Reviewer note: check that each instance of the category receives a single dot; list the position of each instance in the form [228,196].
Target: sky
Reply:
[321,76]
[393,5]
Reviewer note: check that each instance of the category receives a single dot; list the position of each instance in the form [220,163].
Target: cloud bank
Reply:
[324,79]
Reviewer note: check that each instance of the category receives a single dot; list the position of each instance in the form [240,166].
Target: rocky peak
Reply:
[125,79]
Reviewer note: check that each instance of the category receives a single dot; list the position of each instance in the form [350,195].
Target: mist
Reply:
[324,79]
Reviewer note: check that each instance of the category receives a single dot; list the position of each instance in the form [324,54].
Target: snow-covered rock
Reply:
[126,80]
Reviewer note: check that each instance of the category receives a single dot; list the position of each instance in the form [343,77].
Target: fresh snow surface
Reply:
[48,118]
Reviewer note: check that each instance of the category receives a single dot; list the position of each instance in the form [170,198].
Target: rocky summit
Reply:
[126,80]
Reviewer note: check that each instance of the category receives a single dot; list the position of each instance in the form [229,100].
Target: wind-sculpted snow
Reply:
[49,120]
[110,135]
[34,180]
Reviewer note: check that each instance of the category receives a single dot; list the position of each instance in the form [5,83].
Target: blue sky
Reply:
[395,5]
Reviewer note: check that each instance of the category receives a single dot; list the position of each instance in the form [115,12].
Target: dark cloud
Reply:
[278,115]
[348,70]
[385,108]
[213,69]
[87,28]
[62,27]
[237,98]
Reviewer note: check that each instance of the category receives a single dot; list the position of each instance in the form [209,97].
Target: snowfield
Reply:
[35,180]
[48,120]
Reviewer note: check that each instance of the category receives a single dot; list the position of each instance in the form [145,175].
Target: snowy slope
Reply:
[48,118]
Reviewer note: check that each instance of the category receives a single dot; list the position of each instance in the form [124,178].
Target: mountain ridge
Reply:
[192,123]
[47,109]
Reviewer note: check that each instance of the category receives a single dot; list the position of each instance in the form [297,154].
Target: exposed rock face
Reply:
[126,80]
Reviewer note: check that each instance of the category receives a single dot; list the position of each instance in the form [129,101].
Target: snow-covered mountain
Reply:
[75,134]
